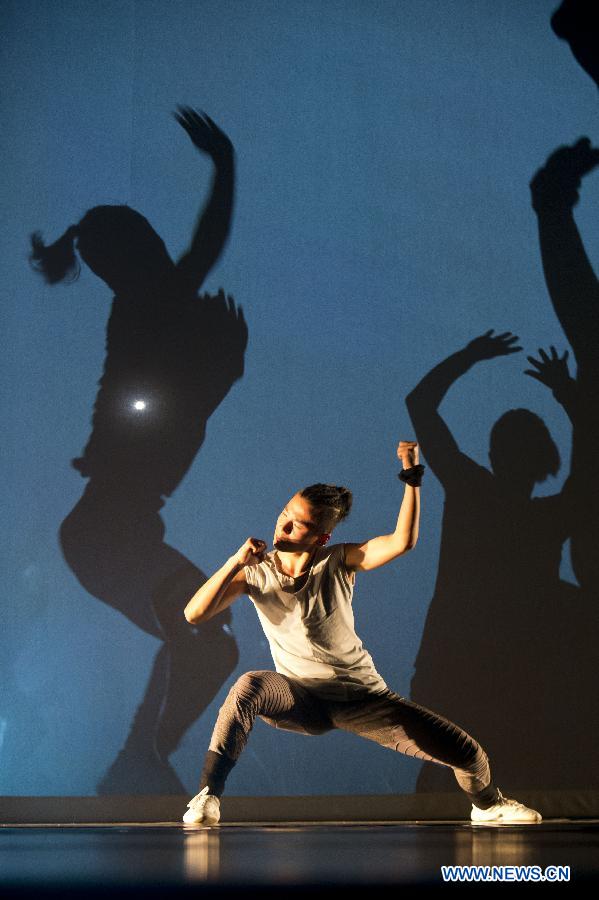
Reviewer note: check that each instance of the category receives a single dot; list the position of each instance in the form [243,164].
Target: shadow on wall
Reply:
[171,358]
[574,292]
[576,22]
[508,649]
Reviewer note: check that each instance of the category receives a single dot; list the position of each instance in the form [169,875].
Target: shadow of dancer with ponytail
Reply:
[171,358]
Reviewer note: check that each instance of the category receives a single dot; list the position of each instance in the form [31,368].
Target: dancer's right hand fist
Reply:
[251,553]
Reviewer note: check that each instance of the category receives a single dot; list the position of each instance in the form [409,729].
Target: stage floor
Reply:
[166,859]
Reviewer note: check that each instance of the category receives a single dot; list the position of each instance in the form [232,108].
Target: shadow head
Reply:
[120,246]
[521,449]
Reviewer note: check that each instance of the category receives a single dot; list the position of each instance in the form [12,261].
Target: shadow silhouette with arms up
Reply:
[507,646]
[172,355]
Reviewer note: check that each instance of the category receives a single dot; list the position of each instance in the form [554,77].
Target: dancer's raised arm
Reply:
[226,585]
[215,221]
[380,550]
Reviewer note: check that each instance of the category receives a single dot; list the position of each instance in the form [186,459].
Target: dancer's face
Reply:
[298,528]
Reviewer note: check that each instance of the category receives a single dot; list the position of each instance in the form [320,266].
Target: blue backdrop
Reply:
[382,221]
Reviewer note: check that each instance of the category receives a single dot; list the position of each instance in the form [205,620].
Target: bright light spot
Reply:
[139,404]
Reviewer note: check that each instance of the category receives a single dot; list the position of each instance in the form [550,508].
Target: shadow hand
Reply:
[227,322]
[551,371]
[558,182]
[204,133]
[490,345]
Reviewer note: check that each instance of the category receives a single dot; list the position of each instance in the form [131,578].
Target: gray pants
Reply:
[386,718]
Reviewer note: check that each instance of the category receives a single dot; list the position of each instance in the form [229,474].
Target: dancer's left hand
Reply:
[407,452]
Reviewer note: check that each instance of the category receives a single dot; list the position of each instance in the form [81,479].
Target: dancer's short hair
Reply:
[331,502]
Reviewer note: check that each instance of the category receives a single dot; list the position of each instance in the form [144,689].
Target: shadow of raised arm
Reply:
[552,371]
[436,440]
[570,278]
[215,221]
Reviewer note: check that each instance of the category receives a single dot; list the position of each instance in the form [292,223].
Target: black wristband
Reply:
[412,476]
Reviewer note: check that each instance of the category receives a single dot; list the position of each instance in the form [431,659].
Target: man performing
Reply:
[325,679]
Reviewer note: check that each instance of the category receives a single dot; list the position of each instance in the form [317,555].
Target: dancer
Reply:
[171,357]
[325,679]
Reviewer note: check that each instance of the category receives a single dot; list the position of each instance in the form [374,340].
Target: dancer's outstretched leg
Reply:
[280,701]
[402,725]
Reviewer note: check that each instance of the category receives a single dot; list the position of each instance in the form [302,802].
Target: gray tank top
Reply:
[311,630]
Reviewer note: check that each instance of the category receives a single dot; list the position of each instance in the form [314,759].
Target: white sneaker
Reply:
[505,812]
[204,809]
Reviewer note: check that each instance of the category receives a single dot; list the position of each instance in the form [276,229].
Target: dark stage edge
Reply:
[570,804]
[172,860]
